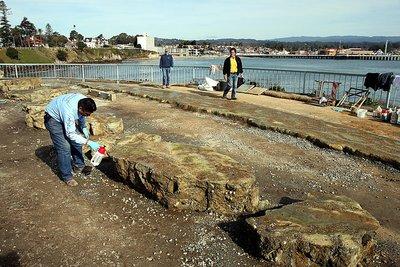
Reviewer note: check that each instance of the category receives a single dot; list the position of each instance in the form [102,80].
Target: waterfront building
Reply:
[355,51]
[95,42]
[145,42]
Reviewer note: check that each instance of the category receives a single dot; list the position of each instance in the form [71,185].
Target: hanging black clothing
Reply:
[371,81]
[385,81]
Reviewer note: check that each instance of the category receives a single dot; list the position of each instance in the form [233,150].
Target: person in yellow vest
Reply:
[233,69]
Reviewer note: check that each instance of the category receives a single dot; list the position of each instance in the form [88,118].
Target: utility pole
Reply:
[386,45]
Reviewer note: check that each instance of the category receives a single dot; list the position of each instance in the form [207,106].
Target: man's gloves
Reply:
[93,145]
[86,132]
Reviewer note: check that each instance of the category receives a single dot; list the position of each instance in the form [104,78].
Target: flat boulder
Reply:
[103,124]
[20,84]
[35,116]
[333,231]
[186,177]
[41,95]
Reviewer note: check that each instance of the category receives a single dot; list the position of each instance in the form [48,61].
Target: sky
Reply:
[204,19]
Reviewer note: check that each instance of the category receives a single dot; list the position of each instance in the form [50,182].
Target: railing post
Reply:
[193,74]
[83,73]
[304,82]
[388,97]
[16,70]
[152,74]
[117,74]
[55,70]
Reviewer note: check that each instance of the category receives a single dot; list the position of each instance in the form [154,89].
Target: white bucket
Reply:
[361,113]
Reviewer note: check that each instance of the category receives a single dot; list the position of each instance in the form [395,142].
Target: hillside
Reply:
[343,39]
[48,55]
[328,39]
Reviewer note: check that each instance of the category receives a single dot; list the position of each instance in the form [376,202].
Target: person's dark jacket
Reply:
[227,66]
[166,61]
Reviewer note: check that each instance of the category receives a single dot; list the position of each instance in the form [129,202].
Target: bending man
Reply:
[63,114]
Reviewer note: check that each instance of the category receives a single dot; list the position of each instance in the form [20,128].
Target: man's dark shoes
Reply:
[87,170]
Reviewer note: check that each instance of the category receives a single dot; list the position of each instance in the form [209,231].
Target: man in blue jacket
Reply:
[166,63]
[62,116]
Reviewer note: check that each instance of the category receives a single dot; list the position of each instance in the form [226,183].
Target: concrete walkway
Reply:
[324,130]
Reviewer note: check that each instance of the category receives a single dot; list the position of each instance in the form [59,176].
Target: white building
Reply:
[146,42]
[95,42]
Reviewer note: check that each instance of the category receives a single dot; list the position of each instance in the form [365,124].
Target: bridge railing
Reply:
[295,81]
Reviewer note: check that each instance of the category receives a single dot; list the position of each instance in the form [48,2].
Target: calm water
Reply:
[346,66]
[324,65]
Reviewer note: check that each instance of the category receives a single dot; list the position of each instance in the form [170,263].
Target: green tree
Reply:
[16,33]
[62,55]
[28,28]
[75,36]
[123,38]
[57,40]
[81,45]
[5,27]
[48,30]
[12,53]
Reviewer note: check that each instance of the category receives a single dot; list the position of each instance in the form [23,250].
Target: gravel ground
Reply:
[105,222]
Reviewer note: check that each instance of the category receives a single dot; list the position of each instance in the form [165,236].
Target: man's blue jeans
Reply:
[232,82]
[65,148]
[166,72]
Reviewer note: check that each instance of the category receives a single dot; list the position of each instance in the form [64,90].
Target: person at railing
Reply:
[166,63]
[233,69]
[62,115]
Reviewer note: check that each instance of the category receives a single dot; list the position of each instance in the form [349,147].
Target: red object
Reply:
[102,150]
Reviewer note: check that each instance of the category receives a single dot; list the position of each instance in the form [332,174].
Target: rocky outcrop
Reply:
[42,95]
[102,94]
[186,177]
[327,232]
[19,84]
[101,124]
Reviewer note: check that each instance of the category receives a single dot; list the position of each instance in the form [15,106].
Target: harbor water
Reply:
[328,65]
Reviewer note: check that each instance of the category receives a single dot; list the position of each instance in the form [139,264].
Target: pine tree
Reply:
[48,32]
[28,28]
[5,27]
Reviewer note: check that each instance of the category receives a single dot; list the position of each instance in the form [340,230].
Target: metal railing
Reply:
[302,82]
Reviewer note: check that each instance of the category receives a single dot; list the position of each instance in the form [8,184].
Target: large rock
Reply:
[35,116]
[328,232]
[99,125]
[20,84]
[103,124]
[102,94]
[42,95]
[186,177]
